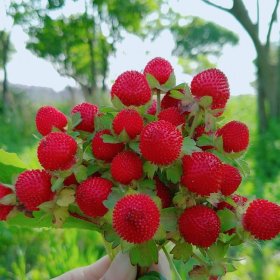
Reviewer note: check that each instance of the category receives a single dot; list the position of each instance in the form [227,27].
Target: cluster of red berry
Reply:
[149,171]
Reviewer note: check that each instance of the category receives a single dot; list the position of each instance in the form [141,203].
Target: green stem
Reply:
[171,263]
[194,124]
[158,102]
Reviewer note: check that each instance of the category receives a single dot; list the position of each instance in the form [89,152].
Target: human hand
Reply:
[119,269]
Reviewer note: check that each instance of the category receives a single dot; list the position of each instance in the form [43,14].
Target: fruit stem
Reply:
[171,263]
[158,102]
[194,124]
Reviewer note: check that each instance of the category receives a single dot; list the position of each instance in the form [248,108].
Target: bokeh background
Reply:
[61,52]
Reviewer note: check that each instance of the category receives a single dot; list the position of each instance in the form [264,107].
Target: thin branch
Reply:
[273,18]
[216,6]
[258,16]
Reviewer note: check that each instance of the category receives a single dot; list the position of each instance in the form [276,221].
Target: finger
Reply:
[120,269]
[93,272]
[162,267]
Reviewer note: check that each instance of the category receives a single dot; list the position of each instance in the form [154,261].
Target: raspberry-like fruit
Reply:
[235,136]
[4,209]
[160,68]
[161,142]
[47,118]
[88,112]
[91,194]
[136,218]
[202,173]
[163,193]
[130,121]
[214,83]
[231,179]
[172,115]
[132,88]
[262,219]
[152,109]
[126,167]
[105,151]
[33,187]
[70,180]
[57,151]
[200,226]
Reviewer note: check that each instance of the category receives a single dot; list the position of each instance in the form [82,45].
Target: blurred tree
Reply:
[268,69]
[6,50]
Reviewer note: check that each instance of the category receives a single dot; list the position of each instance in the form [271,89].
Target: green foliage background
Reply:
[38,254]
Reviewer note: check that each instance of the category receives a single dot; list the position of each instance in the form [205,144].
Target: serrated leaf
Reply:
[168,219]
[134,146]
[218,250]
[80,173]
[110,139]
[152,81]
[174,172]
[103,122]
[227,218]
[205,101]
[177,94]
[144,254]
[66,197]
[150,169]
[112,199]
[117,103]
[57,183]
[152,275]
[189,146]
[123,136]
[182,251]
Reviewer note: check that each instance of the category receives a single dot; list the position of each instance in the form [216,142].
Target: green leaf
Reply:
[228,219]
[189,146]
[152,275]
[111,236]
[147,184]
[144,254]
[182,86]
[110,139]
[230,267]
[73,222]
[174,172]
[205,140]
[11,159]
[150,169]
[57,183]
[134,146]
[92,168]
[117,103]
[160,234]
[107,110]
[177,94]
[168,219]
[218,251]
[243,167]
[182,251]
[217,270]
[112,199]
[80,173]
[152,81]
[103,122]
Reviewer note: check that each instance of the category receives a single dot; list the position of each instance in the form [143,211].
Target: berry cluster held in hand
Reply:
[160,167]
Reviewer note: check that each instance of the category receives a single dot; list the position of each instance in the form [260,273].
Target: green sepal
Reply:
[152,81]
[150,169]
[227,218]
[115,195]
[110,139]
[74,121]
[168,219]
[205,101]
[218,251]
[57,183]
[80,173]
[103,122]
[174,172]
[170,83]
[189,146]
[177,94]
[134,146]
[117,103]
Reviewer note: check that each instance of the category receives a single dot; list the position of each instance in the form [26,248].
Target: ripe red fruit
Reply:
[4,209]
[172,115]
[231,179]
[202,173]
[130,121]
[168,101]
[214,83]
[91,194]
[70,180]
[235,136]
[56,151]
[33,187]
[126,167]
[152,109]
[47,118]
[262,219]
[88,112]
[160,68]
[163,193]
[136,218]
[200,226]
[161,142]
[105,151]
[132,88]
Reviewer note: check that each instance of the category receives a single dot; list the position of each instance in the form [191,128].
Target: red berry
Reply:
[91,194]
[136,218]
[214,83]
[231,179]
[88,112]
[152,109]
[160,68]
[56,151]
[132,88]
[172,115]
[47,118]
[163,193]
[130,121]
[4,209]
[199,225]
[126,167]
[161,142]
[102,150]
[168,101]
[202,173]
[235,136]
[262,219]
[33,187]
[70,180]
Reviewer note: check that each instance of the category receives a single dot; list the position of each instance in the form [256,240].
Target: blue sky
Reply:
[133,53]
